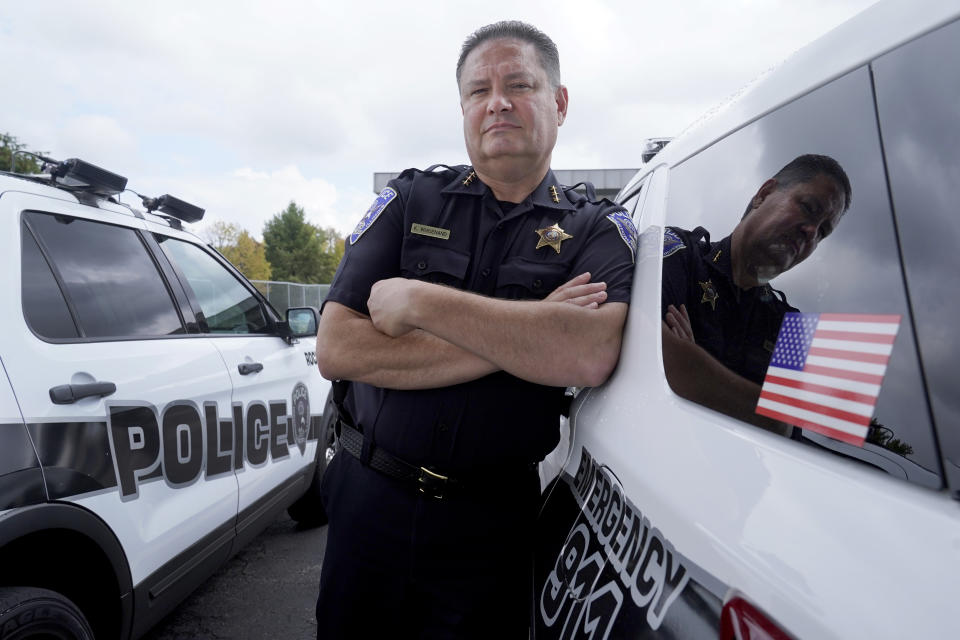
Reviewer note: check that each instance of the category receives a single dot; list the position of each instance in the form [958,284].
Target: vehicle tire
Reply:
[308,509]
[30,612]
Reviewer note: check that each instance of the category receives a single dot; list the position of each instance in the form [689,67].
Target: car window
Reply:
[44,307]
[110,281]
[630,202]
[227,305]
[851,266]
[918,105]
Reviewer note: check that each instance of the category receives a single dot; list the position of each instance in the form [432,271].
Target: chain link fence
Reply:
[283,295]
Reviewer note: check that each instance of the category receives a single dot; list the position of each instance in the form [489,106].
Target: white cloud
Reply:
[249,198]
[313,97]
[102,139]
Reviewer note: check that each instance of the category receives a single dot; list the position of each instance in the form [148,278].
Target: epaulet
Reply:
[434,169]
[588,187]
[610,210]
[575,197]
[779,294]
[676,239]
[445,168]
[700,236]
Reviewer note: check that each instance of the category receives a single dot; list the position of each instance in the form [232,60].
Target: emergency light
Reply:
[174,207]
[83,175]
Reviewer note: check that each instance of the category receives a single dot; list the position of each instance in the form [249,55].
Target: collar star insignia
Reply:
[552,237]
[554,195]
[710,294]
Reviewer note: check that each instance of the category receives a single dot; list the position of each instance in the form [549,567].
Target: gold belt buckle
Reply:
[431,484]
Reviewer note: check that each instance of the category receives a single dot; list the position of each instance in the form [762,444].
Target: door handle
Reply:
[70,393]
[246,368]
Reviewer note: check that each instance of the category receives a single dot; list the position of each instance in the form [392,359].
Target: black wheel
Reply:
[308,509]
[29,612]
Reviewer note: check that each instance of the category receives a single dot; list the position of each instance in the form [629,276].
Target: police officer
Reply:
[720,316]
[468,298]
[736,326]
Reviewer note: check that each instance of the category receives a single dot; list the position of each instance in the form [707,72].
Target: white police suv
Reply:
[155,411]
[674,518]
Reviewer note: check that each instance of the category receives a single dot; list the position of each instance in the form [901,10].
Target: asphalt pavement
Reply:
[267,591]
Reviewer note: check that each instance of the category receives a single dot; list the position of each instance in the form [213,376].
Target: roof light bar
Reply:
[174,207]
[651,146]
[83,175]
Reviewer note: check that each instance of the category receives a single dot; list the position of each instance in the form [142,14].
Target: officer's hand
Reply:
[389,299]
[678,321]
[580,291]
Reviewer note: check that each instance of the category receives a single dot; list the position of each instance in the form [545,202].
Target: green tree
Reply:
[240,248]
[24,163]
[332,245]
[299,251]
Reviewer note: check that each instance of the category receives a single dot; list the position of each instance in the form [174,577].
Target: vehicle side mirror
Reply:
[301,322]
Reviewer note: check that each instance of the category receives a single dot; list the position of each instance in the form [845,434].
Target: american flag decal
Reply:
[826,371]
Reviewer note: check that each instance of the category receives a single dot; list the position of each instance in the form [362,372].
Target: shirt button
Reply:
[537,283]
[485,273]
[443,427]
[421,265]
[499,227]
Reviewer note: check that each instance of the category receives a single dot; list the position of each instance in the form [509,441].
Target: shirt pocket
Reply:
[434,263]
[522,279]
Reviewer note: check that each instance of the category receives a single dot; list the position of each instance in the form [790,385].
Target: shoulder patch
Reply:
[671,243]
[385,197]
[624,224]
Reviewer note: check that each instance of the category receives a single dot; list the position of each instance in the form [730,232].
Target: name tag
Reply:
[433,232]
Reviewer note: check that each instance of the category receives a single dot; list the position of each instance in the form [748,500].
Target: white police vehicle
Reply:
[155,411]
[669,519]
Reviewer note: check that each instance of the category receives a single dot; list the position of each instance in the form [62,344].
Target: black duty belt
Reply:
[427,482]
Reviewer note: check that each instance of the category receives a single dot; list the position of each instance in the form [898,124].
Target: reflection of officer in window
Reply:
[467,300]
[720,315]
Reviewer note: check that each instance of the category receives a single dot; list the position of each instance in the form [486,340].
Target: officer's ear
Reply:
[562,100]
[765,190]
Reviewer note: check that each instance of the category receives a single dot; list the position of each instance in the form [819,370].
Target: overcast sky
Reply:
[239,106]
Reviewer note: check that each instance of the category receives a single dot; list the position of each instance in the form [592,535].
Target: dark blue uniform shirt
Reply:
[446,227]
[736,326]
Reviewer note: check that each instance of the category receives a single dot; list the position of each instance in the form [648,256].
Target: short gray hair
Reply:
[807,167]
[515,30]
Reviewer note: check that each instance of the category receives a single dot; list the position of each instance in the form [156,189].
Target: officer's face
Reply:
[510,110]
[786,224]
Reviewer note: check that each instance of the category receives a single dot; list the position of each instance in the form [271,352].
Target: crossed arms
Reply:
[696,375]
[421,335]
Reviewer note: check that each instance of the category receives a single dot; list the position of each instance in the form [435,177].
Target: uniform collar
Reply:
[467,183]
[549,193]
[719,257]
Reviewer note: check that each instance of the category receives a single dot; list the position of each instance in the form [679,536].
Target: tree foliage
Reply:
[300,251]
[883,436]
[222,234]
[9,145]
[333,246]
[240,248]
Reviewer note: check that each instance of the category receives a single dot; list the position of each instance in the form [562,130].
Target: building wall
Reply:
[607,182]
